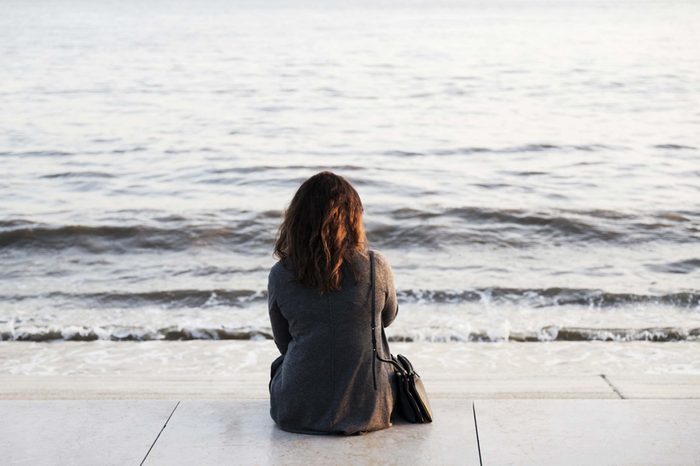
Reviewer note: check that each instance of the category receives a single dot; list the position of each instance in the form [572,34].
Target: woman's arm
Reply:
[280,326]
[391,305]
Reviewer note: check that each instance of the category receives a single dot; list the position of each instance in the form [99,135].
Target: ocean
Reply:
[531,169]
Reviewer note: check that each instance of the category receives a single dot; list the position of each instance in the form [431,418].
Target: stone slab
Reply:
[30,387]
[242,432]
[117,387]
[254,386]
[585,432]
[519,386]
[657,386]
[79,432]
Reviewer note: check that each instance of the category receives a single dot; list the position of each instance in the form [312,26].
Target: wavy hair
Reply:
[321,229]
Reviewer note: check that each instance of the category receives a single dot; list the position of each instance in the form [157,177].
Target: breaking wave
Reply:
[392,228]
[171,333]
[530,297]
[545,297]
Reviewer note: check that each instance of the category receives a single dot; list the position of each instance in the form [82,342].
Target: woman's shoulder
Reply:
[381,259]
[279,270]
[380,256]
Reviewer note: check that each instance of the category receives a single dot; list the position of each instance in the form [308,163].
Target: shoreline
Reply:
[460,386]
[240,370]
[235,357]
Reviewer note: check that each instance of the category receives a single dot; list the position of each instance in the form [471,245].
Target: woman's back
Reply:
[329,380]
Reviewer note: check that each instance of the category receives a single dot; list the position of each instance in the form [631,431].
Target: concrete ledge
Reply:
[254,386]
[86,387]
[657,386]
[519,386]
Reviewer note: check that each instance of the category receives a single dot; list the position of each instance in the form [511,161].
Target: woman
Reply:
[327,379]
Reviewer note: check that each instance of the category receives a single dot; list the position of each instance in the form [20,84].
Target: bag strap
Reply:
[398,366]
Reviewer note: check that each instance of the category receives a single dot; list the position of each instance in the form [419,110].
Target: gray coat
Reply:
[323,381]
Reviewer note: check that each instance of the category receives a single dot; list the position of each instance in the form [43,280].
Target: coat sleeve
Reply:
[280,325]
[391,304]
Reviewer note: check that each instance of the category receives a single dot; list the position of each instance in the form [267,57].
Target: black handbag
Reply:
[411,397]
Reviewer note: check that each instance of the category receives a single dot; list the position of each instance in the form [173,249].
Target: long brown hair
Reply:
[321,228]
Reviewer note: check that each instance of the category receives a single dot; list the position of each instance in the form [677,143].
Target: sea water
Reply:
[531,169]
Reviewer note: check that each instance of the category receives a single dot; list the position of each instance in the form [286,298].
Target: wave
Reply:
[682,266]
[60,153]
[674,147]
[79,174]
[525,148]
[397,228]
[547,297]
[37,153]
[179,298]
[557,333]
[484,226]
[132,333]
[518,227]
[528,297]
[465,150]
[122,239]
[542,147]
[173,333]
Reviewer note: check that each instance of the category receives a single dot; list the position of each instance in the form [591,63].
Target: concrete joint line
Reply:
[476,429]
[615,389]
[159,432]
